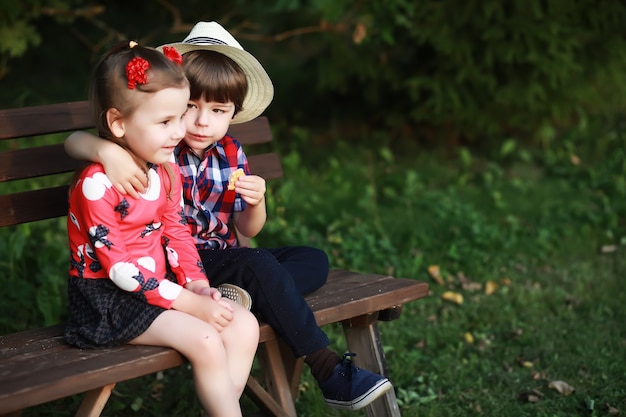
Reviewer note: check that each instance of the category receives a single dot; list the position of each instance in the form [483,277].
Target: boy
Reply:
[228,85]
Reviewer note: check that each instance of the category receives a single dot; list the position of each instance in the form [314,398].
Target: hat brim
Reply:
[260,88]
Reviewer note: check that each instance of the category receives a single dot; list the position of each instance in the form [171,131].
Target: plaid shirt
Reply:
[208,204]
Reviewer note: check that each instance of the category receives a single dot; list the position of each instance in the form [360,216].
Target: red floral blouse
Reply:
[126,240]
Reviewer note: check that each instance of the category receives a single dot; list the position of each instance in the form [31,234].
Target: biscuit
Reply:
[233,177]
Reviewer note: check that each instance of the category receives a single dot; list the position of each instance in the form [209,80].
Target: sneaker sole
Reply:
[373,393]
[237,294]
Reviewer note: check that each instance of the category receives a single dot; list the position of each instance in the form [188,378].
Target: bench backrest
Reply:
[20,159]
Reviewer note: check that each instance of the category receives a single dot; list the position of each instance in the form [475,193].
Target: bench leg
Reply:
[263,398]
[94,401]
[363,338]
[280,369]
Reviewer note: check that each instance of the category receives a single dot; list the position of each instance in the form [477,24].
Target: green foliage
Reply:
[476,69]
[34,268]
[483,69]
[18,25]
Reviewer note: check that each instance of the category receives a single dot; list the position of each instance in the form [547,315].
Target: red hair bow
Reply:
[136,72]
[172,54]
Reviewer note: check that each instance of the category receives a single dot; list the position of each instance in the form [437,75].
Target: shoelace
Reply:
[346,364]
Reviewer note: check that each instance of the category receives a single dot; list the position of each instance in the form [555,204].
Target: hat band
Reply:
[204,40]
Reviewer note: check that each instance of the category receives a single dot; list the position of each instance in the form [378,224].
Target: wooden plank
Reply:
[46,119]
[254,132]
[33,205]
[349,294]
[46,377]
[345,295]
[71,116]
[36,162]
[266,165]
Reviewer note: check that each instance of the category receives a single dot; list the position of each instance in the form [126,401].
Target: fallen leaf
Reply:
[538,375]
[562,387]
[472,286]
[612,410]
[359,33]
[469,338]
[435,273]
[608,248]
[490,287]
[453,297]
[506,281]
[532,396]
[574,159]
[591,404]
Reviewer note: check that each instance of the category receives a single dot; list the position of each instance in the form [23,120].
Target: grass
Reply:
[543,225]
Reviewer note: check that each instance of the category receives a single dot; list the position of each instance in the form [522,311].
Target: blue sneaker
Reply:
[352,388]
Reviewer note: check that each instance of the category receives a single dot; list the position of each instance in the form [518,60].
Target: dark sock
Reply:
[322,363]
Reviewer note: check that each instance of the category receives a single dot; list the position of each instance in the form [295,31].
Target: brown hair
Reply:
[215,77]
[109,87]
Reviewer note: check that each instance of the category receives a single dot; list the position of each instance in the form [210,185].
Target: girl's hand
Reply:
[219,314]
[251,188]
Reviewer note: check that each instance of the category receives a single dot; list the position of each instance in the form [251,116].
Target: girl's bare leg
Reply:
[205,349]
[241,339]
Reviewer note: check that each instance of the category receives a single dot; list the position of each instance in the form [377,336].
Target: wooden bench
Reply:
[37,366]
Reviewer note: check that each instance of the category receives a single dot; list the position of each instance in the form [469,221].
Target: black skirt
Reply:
[103,315]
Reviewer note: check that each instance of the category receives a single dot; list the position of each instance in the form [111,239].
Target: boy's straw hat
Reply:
[211,36]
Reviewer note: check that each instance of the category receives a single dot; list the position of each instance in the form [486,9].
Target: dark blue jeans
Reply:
[277,279]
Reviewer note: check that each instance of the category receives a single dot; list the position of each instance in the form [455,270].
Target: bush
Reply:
[484,68]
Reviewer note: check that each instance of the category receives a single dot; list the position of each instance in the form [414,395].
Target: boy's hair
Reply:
[215,77]
[110,85]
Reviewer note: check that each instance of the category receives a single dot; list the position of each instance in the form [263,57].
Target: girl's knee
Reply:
[205,346]
[244,328]
[250,325]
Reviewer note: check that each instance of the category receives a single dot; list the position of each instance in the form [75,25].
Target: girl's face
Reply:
[207,122]
[156,126]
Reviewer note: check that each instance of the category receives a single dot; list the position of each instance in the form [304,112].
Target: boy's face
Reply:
[207,122]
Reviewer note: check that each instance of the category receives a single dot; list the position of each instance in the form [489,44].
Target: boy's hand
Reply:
[126,176]
[251,188]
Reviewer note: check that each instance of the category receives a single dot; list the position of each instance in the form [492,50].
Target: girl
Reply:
[135,276]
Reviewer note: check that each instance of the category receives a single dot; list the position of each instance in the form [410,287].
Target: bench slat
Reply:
[254,132]
[68,117]
[33,205]
[36,162]
[46,119]
[47,203]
